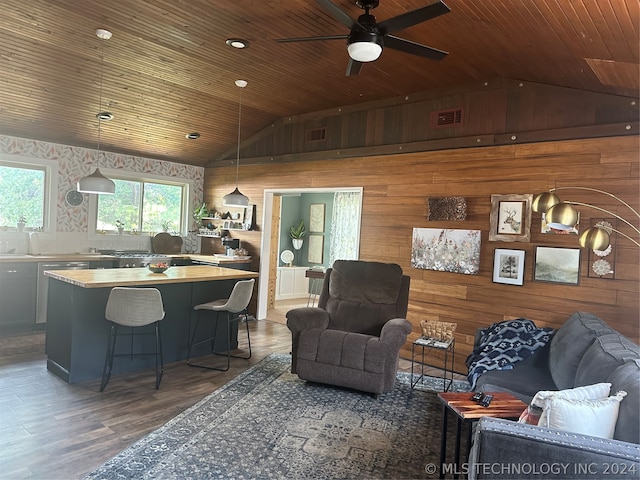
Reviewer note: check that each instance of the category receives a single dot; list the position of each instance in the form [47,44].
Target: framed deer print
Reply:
[510,219]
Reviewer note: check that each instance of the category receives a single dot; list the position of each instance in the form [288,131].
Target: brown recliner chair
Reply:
[353,338]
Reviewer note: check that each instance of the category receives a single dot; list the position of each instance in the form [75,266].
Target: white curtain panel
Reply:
[344,227]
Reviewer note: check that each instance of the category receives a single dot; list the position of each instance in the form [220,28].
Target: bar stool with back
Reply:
[134,308]
[236,308]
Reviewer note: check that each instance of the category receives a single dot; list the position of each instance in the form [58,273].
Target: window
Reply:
[143,206]
[22,195]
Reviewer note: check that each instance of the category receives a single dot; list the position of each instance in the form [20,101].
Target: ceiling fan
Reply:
[367,37]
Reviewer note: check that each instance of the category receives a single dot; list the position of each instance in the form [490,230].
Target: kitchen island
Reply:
[77,331]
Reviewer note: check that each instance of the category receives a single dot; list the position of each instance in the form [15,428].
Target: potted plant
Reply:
[199,212]
[296,233]
[120,225]
[22,222]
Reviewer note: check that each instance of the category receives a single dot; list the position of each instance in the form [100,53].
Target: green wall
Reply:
[295,208]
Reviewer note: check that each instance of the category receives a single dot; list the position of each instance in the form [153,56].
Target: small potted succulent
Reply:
[120,225]
[22,222]
[297,233]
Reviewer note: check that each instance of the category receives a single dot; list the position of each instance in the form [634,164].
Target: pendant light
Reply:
[96,182]
[235,198]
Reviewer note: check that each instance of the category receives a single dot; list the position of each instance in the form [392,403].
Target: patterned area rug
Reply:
[268,424]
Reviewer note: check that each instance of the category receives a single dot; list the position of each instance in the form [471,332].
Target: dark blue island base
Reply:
[77,331]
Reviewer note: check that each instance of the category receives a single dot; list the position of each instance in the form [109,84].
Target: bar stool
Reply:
[237,303]
[134,308]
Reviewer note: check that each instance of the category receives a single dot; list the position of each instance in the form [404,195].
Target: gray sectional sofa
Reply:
[584,351]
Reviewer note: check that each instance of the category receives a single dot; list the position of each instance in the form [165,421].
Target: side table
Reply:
[428,344]
[503,405]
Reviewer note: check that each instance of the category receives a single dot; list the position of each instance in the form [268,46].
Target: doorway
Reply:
[271,238]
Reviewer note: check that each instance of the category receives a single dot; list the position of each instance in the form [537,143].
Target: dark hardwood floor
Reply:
[52,430]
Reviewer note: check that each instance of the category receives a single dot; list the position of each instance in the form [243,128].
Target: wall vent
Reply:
[316,134]
[446,118]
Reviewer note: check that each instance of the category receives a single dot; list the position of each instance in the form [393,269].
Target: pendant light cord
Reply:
[100,102]
[238,151]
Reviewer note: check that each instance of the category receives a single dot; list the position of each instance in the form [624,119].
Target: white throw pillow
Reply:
[588,392]
[590,417]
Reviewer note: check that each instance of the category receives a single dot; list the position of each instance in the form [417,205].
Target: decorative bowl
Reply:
[158,267]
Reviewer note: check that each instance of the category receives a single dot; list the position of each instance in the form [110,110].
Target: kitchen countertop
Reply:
[87,257]
[127,277]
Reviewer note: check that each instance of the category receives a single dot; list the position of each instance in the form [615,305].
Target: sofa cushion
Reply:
[606,353]
[627,377]
[570,343]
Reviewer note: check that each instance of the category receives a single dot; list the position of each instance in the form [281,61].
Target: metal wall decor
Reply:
[446,208]
[602,263]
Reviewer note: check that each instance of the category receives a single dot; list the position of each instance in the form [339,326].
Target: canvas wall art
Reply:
[446,250]
[557,264]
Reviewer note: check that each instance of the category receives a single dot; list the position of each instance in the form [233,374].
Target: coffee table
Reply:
[503,405]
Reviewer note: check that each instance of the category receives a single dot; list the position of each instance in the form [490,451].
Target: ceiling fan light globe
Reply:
[364,46]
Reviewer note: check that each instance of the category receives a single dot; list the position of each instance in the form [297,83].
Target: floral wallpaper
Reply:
[75,163]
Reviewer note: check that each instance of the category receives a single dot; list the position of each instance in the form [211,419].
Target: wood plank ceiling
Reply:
[168,71]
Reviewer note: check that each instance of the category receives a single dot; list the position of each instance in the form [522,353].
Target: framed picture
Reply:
[446,250]
[508,266]
[316,218]
[510,218]
[557,265]
[316,248]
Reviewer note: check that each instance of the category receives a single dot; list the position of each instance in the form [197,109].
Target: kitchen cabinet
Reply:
[18,282]
[291,283]
[103,264]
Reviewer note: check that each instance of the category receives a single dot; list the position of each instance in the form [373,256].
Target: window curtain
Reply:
[344,227]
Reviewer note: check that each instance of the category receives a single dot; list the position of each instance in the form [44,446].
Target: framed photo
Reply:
[316,248]
[510,218]
[316,218]
[508,266]
[557,265]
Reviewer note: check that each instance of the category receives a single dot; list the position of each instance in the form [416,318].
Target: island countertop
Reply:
[130,277]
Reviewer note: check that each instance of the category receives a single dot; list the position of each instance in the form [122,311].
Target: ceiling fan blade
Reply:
[341,15]
[312,39]
[353,68]
[414,48]
[412,18]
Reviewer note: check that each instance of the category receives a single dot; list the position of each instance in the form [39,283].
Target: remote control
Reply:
[486,400]
[477,396]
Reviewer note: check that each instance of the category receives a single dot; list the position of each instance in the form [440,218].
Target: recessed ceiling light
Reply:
[237,43]
[192,135]
[104,116]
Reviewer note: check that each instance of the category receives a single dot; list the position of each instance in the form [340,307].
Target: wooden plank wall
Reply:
[396,188]
[491,113]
